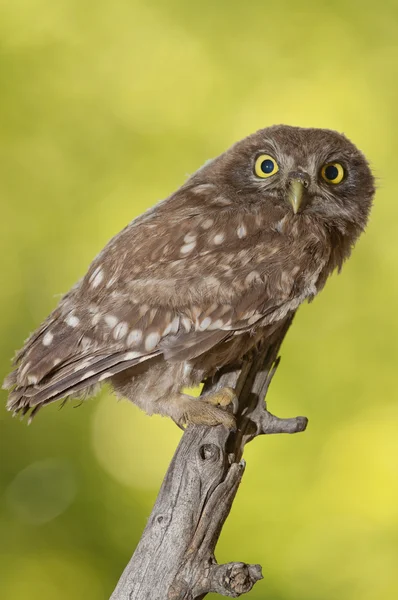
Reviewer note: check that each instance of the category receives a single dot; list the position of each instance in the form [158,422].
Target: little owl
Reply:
[199,280]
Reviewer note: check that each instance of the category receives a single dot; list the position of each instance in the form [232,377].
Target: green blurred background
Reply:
[105,107]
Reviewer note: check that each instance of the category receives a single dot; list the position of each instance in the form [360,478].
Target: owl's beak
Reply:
[297,182]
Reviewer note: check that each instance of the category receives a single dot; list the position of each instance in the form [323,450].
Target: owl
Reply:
[198,281]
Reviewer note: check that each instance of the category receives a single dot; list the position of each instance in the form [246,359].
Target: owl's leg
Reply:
[157,391]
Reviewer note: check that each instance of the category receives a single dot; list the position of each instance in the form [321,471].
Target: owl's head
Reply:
[315,172]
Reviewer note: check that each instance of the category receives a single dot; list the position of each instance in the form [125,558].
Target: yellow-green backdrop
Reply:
[105,107]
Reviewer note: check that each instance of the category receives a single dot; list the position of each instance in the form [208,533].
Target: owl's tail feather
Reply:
[80,375]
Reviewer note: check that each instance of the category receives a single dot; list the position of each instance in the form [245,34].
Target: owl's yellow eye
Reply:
[332,172]
[265,166]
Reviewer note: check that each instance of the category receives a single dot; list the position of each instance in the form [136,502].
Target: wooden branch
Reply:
[174,559]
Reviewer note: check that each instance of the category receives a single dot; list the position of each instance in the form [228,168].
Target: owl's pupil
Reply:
[331,172]
[267,166]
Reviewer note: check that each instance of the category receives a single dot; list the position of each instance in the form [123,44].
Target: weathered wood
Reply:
[174,559]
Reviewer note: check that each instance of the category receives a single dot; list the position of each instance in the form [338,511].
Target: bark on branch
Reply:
[174,559]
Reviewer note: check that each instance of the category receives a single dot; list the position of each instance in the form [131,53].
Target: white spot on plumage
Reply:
[207,223]
[131,355]
[175,325]
[190,237]
[222,201]
[252,277]
[151,341]
[72,320]
[212,283]
[218,239]
[87,374]
[32,379]
[48,338]
[216,324]
[134,337]
[96,277]
[205,324]
[167,329]
[96,319]
[187,369]
[120,331]
[82,365]
[241,231]
[116,294]
[186,323]
[111,320]
[280,225]
[105,376]
[187,248]
[56,362]
[203,187]
[85,342]
[143,310]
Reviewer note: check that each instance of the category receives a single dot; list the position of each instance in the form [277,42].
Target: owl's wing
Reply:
[175,289]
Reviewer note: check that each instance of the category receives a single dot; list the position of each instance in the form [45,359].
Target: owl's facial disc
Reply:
[297,183]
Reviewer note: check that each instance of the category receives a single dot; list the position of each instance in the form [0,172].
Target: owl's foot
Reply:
[208,410]
[201,412]
[205,411]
